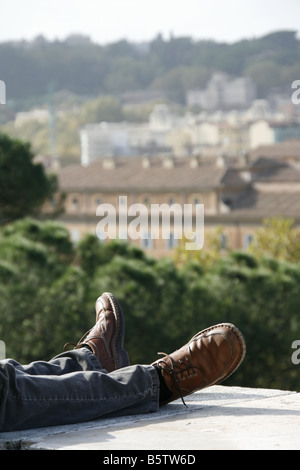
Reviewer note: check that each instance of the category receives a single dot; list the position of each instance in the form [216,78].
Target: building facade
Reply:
[236,199]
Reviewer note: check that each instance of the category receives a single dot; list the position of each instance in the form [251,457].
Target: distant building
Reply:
[128,139]
[264,132]
[236,198]
[233,131]
[287,151]
[223,93]
[239,93]
[40,115]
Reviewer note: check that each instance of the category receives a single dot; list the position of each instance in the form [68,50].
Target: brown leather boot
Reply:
[106,338]
[210,357]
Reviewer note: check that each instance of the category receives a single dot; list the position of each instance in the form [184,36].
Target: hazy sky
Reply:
[137,20]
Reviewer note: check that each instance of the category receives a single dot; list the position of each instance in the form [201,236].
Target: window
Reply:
[147,242]
[53,201]
[171,242]
[248,239]
[196,199]
[224,242]
[75,203]
[228,202]
[75,235]
[122,200]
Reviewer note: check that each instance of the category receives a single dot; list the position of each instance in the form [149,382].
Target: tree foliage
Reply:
[174,65]
[48,289]
[211,250]
[24,185]
[277,238]
[103,108]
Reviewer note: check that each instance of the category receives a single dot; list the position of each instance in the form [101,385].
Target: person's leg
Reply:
[61,364]
[95,379]
[76,385]
[72,388]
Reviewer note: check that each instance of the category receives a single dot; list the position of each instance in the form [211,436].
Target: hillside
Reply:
[31,69]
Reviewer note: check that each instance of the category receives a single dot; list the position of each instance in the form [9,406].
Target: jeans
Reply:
[72,388]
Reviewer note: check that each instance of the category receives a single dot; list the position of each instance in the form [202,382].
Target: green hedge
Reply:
[48,289]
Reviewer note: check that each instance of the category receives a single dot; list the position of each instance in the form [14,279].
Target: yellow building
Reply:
[236,198]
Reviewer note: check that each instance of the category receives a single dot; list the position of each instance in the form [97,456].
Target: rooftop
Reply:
[260,204]
[267,186]
[217,418]
[288,149]
[140,173]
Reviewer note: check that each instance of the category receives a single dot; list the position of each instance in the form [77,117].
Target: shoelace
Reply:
[79,342]
[171,369]
[76,346]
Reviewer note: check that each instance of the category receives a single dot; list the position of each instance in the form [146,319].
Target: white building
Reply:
[125,139]
[223,93]
[40,115]
[265,132]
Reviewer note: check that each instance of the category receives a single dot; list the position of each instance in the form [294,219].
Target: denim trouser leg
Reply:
[72,388]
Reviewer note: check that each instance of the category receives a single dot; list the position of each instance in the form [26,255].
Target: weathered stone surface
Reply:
[217,418]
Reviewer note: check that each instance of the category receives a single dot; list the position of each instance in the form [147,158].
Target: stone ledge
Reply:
[216,418]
